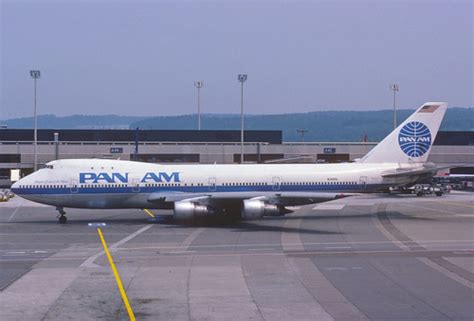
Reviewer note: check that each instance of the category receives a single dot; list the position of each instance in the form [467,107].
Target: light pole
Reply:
[35,74]
[242,78]
[394,88]
[198,84]
[56,145]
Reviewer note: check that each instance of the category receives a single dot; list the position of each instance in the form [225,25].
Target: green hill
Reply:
[333,126]
[344,126]
[73,122]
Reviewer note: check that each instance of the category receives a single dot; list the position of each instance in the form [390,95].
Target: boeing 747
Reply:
[251,190]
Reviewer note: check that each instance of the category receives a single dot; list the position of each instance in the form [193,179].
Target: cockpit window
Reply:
[49,166]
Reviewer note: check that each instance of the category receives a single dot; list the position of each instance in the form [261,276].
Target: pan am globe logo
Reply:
[414,139]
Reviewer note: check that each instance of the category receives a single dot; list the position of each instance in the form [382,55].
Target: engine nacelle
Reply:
[255,209]
[184,210]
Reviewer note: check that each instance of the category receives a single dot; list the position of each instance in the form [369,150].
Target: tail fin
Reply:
[411,141]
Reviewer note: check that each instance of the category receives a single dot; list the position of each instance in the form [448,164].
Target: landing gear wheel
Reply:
[62,215]
[419,194]
[439,193]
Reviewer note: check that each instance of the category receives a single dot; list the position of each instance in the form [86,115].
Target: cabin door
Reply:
[74,184]
[363,182]
[276,183]
[135,185]
[212,184]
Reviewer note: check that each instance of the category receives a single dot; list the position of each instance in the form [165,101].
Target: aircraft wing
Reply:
[426,169]
[408,172]
[280,198]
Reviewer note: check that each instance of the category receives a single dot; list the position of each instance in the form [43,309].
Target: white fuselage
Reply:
[95,183]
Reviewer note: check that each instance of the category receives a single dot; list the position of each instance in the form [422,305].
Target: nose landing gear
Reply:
[62,215]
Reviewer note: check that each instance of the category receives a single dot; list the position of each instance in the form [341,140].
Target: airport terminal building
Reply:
[193,146]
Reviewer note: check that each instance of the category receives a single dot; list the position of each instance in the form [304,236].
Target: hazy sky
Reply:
[141,57]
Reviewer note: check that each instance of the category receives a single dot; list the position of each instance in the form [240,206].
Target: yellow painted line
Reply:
[458,204]
[117,277]
[148,212]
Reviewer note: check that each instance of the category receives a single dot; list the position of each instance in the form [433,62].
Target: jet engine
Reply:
[254,209]
[185,210]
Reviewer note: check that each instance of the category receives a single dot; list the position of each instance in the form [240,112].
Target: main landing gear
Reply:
[62,215]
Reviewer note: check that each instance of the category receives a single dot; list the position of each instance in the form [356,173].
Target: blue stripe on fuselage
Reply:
[196,189]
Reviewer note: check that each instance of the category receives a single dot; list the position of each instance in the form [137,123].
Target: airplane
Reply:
[250,191]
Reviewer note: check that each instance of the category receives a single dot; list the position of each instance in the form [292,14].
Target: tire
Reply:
[439,193]
[419,194]
[62,219]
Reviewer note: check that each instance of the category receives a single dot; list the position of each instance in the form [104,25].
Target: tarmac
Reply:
[370,257]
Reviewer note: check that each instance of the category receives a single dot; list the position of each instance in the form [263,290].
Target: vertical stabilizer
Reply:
[411,141]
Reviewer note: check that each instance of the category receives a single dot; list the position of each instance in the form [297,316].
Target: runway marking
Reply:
[457,204]
[404,242]
[190,239]
[465,215]
[337,247]
[320,288]
[427,208]
[13,214]
[273,246]
[451,274]
[96,224]
[149,213]
[81,234]
[90,261]
[334,207]
[338,268]
[412,253]
[180,252]
[117,277]
[431,242]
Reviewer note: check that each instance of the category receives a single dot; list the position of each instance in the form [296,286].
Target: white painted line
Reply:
[90,261]
[238,254]
[180,252]
[326,207]
[447,272]
[256,245]
[262,249]
[13,214]
[40,252]
[337,247]
[336,269]
[465,215]
[190,239]
[99,224]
